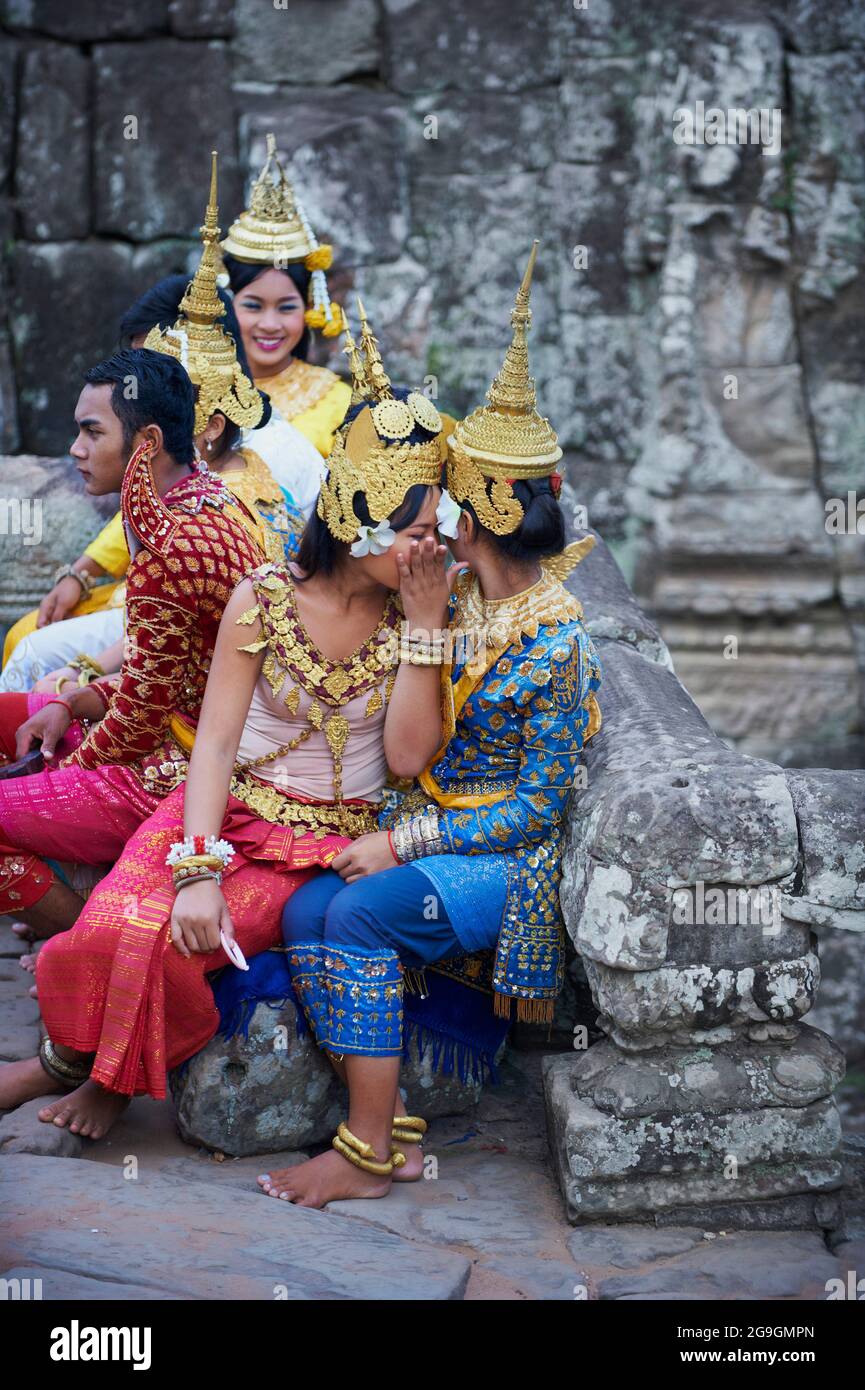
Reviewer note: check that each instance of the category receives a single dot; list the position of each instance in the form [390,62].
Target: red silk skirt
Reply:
[115,984]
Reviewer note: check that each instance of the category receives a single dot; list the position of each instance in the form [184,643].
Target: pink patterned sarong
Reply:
[116,985]
[63,813]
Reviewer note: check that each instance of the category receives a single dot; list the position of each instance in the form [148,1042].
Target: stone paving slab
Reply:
[22,1132]
[507,1214]
[744,1265]
[11,946]
[60,1285]
[195,1240]
[502,1209]
[19,1014]
[17,1040]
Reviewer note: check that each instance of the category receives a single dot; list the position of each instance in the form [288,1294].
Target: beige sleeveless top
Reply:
[332,712]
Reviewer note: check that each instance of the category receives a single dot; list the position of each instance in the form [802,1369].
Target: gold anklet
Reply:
[362,1155]
[410,1129]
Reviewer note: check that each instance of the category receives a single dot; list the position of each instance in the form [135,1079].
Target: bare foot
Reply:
[413,1166]
[327,1178]
[28,963]
[20,1081]
[89,1111]
[27,932]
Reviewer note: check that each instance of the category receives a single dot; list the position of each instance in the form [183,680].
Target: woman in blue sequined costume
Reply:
[468,858]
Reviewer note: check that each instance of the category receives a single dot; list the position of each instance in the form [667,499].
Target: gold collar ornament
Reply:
[275,231]
[506,441]
[372,454]
[201,345]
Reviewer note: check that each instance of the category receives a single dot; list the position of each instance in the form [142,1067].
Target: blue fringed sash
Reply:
[454,1022]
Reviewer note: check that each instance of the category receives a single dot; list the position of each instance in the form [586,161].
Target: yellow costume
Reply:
[313,399]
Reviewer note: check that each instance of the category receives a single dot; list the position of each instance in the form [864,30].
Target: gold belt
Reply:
[482,791]
[278,808]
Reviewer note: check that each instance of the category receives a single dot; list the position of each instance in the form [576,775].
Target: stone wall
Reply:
[705,368]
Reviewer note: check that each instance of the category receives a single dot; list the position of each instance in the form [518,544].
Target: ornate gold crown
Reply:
[371,454]
[506,440]
[199,342]
[274,230]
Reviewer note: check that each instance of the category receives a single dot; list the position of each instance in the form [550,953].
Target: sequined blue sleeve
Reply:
[557,711]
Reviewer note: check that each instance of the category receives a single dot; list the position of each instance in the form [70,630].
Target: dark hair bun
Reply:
[542,529]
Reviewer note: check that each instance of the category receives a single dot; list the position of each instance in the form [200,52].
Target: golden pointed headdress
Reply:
[371,454]
[506,440]
[199,342]
[275,231]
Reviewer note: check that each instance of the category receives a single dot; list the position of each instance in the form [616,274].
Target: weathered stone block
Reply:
[480,132]
[431,47]
[48,520]
[9,436]
[828,95]
[181,98]
[586,220]
[273,1090]
[698,1003]
[737,1075]
[599,111]
[596,397]
[88,19]
[840,1006]
[8,82]
[52,178]
[830,809]
[610,1167]
[345,155]
[817,28]
[201,19]
[758,679]
[302,41]
[51,354]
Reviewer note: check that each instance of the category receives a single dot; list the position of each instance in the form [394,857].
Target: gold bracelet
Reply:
[208,861]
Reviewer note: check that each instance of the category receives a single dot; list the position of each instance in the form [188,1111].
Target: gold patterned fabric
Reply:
[178,583]
[279,528]
[292,664]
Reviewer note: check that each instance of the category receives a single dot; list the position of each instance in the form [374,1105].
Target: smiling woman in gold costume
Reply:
[276,269]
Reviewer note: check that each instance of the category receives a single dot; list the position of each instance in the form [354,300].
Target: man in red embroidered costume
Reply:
[114,749]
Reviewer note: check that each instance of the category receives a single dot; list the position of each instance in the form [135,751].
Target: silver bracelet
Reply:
[401,836]
[417,836]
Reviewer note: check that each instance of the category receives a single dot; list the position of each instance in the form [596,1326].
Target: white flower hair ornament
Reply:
[373,540]
[448,513]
